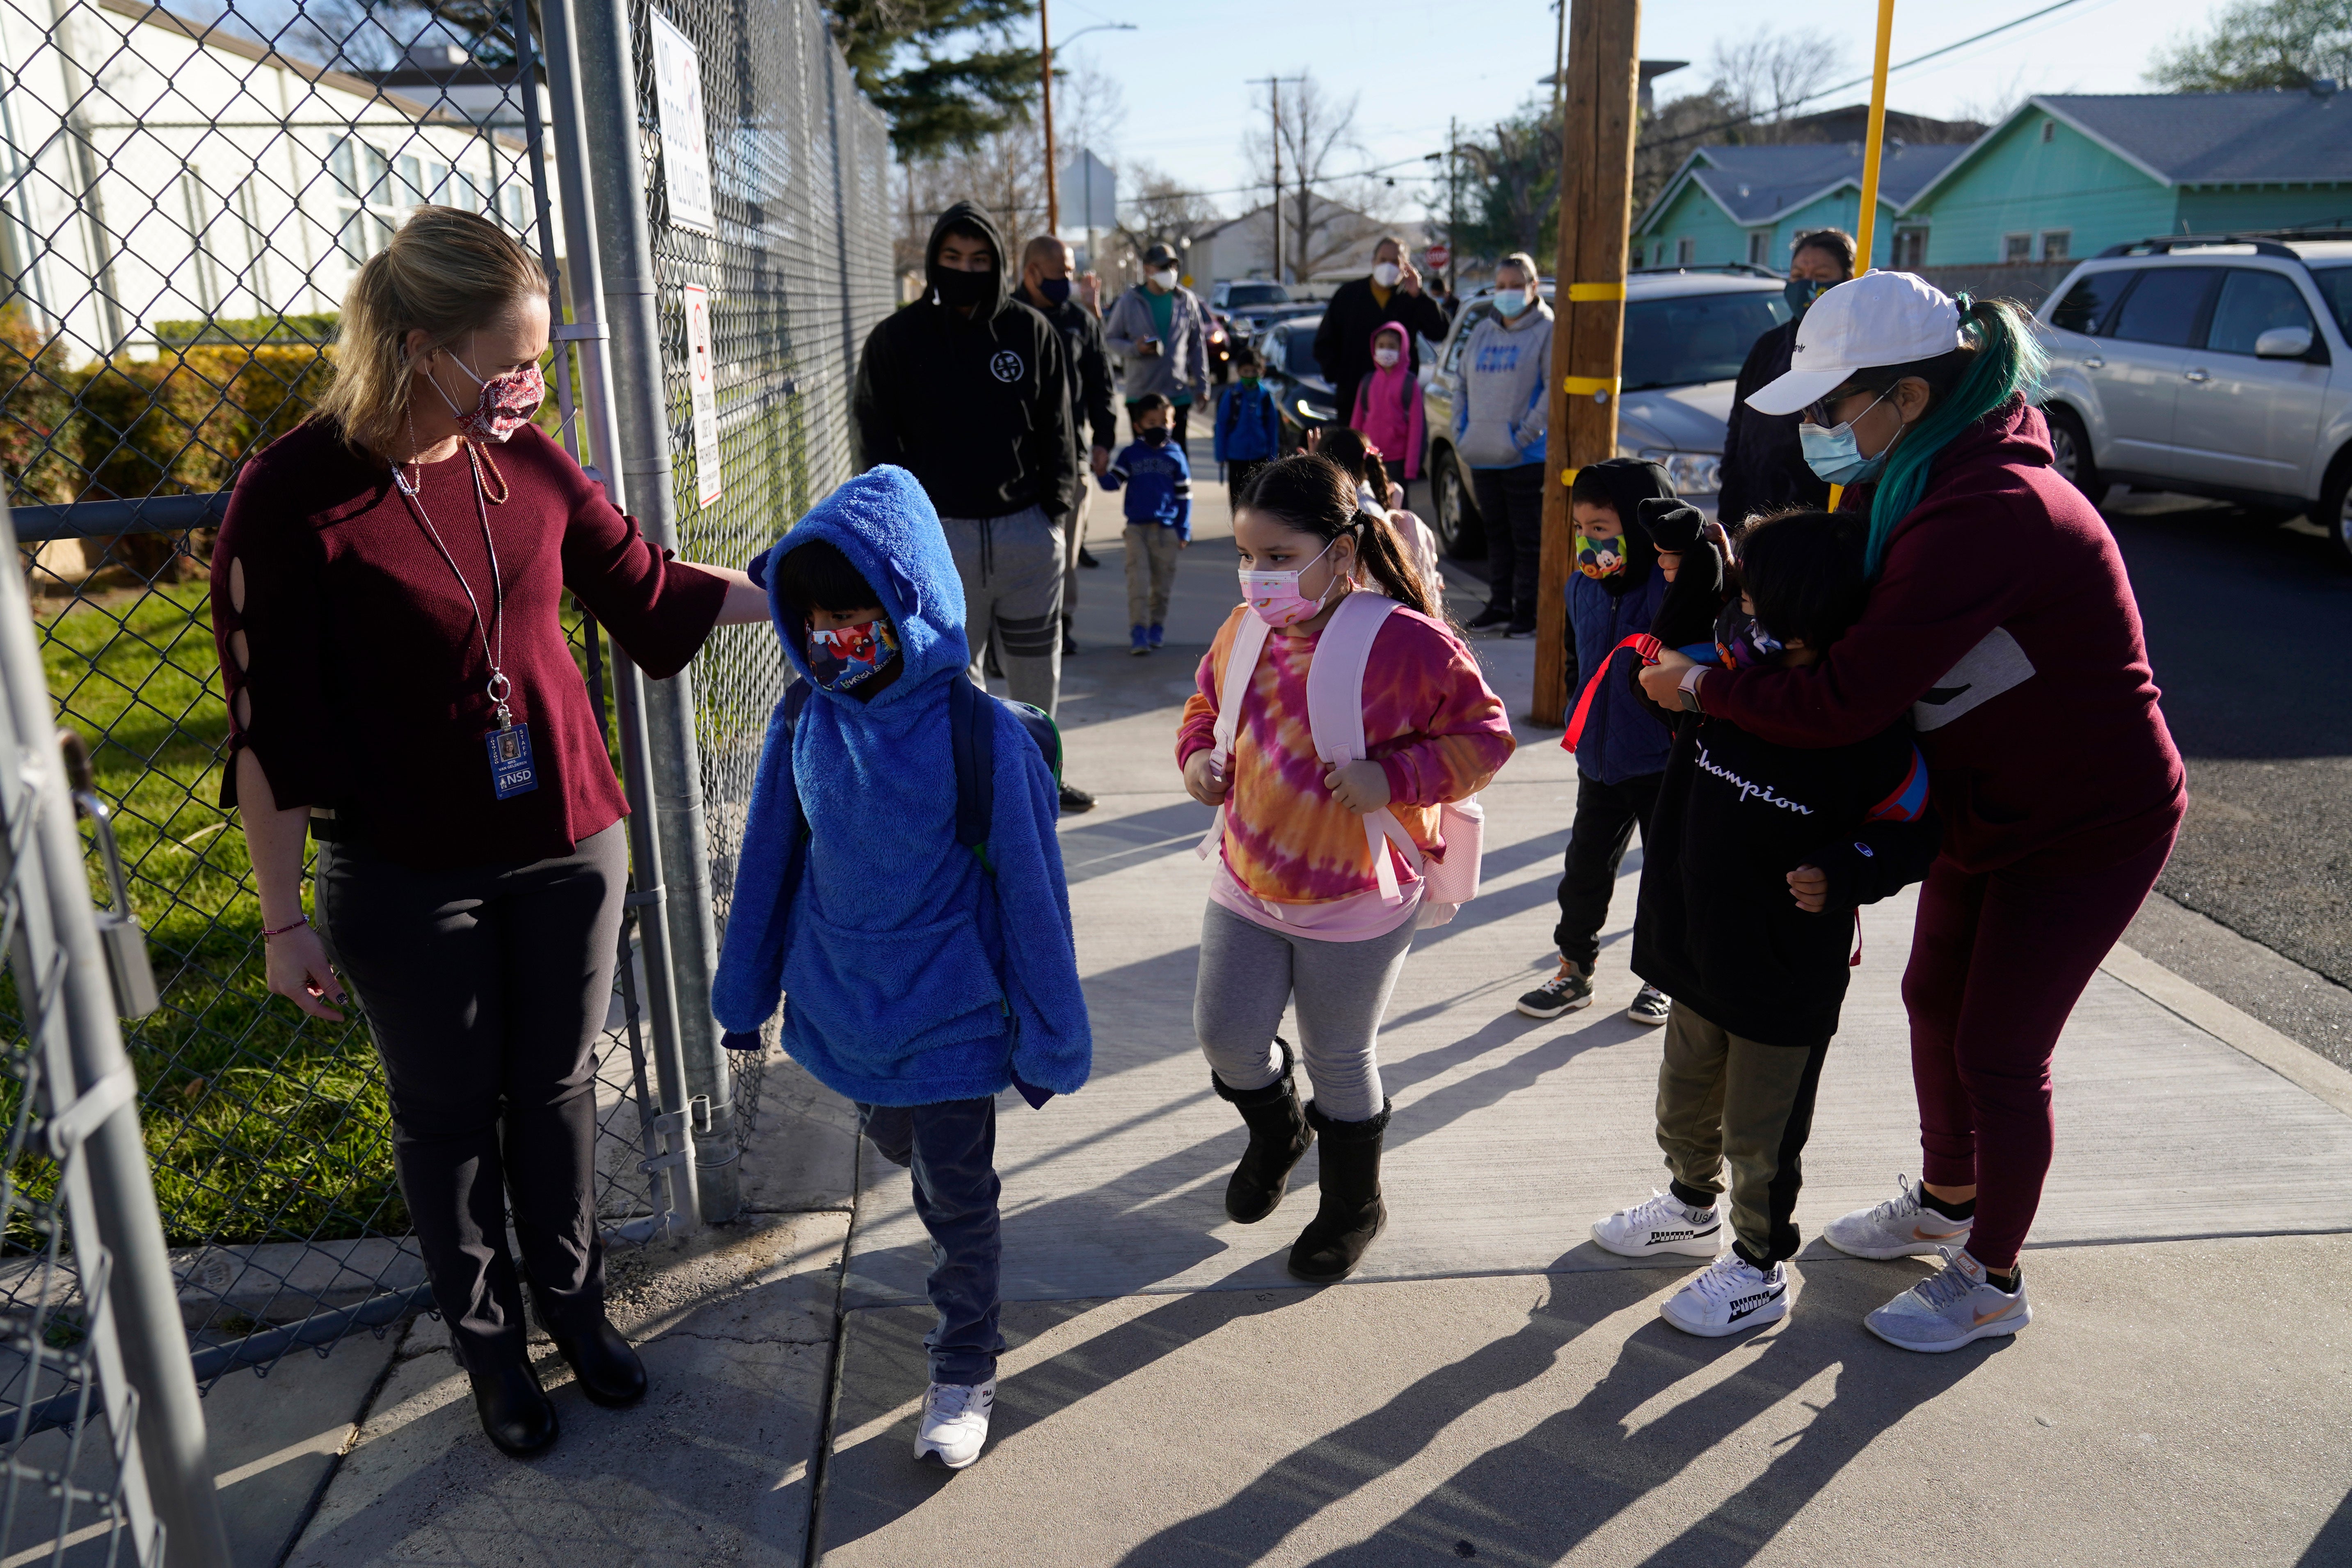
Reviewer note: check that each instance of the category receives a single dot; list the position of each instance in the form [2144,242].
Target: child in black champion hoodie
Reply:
[1755,861]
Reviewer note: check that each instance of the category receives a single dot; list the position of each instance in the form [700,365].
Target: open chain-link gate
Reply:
[184,196]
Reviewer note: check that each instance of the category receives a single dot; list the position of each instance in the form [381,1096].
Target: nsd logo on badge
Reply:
[511,771]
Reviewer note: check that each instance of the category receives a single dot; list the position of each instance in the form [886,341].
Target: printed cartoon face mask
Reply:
[1742,640]
[849,657]
[1599,558]
[506,405]
[1273,596]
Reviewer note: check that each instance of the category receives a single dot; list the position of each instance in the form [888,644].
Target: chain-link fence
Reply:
[183,203]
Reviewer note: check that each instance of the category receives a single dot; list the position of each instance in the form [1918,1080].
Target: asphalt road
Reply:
[2247,626]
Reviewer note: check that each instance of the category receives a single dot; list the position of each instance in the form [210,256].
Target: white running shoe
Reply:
[1947,1311]
[1663,1224]
[1732,1296]
[955,1423]
[1901,1227]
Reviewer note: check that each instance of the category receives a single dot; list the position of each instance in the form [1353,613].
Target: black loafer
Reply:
[610,1372]
[516,1414]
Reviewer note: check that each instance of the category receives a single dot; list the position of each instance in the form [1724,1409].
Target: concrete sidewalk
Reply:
[1489,1386]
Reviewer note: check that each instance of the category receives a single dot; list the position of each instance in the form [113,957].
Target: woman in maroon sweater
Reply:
[2001,621]
[386,597]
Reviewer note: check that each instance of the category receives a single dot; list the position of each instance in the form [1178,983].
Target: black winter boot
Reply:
[1352,1214]
[1278,1140]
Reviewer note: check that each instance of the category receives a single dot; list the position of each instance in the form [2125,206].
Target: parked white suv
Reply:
[2213,366]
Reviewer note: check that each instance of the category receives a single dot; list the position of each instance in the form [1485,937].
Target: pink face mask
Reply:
[1273,596]
[506,405]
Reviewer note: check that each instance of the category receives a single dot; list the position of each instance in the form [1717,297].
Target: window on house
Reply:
[1635,263]
[2016,247]
[1910,248]
[203,266]
[1760,244]
[2056,243]
[412,180]
[2049,130]
[1686,251]
[515,200]
[256,246]
[363,208]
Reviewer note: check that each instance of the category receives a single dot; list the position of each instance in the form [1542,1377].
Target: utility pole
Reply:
[1596,188]
[1453,207]
[1045,67]
[1273,85]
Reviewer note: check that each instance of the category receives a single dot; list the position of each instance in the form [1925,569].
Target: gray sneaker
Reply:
[1955,1308]
[1563,993]
[1901,1227]
[1650,1006]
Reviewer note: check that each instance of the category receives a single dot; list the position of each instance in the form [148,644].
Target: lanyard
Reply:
[499,686]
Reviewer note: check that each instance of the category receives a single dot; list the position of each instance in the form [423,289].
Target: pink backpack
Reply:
[1335,718]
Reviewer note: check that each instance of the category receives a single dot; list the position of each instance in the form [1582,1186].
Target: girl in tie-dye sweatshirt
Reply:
[1296,914]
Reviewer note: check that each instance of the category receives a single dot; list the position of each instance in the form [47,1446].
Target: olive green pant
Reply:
[1721,1096]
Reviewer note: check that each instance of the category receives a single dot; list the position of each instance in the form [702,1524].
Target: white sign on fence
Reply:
[685,144]
[702,388]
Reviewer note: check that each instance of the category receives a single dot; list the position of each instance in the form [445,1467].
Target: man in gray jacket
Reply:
[1161,329]
[1499,420]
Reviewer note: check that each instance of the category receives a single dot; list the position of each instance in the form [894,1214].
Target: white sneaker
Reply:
[1732,1296]
[1955,1308]
[1663,1224]
[955,1423]
[1901,1227]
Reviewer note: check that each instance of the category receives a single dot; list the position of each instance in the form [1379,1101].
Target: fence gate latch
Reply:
[127,966]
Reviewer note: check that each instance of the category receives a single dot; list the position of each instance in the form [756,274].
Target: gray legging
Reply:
[1011,571]
[1249,972]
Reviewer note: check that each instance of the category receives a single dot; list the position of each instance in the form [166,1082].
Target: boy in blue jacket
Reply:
[920,978]
[1159,485]
[1249,427]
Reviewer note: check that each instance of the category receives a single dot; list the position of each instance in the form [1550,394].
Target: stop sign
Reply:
[1438,255]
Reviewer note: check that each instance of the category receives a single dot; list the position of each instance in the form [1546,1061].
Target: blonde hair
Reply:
[446,271]
[1525,264]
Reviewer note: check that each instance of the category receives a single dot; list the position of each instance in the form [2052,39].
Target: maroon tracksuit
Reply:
[2004,624]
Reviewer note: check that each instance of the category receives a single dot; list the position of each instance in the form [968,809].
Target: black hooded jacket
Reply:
[1763,462]
[978,407]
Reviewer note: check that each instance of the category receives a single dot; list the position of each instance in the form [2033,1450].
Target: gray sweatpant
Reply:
[1011,571]
[1249,974]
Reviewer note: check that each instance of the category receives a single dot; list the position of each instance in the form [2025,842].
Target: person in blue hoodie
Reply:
[1622,747]
[1159,485]
[919,978]
[1249,427]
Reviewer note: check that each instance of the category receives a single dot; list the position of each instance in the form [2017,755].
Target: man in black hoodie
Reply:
[970,390]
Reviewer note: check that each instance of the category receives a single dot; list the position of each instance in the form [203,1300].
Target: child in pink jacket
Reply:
[1388,406]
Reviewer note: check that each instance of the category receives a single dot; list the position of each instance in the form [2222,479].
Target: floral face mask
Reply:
[507,403]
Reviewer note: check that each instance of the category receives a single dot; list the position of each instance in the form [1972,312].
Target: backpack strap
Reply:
[796,701]
[1241,663]
[972,729]
[1335,718]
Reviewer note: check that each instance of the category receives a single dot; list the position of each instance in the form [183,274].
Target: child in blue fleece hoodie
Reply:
[920,978]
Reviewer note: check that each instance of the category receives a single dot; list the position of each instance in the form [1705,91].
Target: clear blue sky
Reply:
[1183,71]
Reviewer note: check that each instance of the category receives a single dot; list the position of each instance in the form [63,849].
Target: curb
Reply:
[2292,1060]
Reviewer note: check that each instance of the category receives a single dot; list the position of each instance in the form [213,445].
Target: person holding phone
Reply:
[1161,329]
[387,595]
[1343,343]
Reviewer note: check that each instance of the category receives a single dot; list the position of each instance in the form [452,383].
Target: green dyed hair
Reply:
[2001,359]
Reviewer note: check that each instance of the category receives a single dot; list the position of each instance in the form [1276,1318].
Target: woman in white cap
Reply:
[2001,617]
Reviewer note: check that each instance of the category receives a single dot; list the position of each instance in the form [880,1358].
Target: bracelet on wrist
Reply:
[299,921]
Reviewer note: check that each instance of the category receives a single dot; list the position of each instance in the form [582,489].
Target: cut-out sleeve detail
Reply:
[267,602]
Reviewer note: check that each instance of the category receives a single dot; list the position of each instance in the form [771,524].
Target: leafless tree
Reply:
[1765,80]
[1318,136]
[1156,208]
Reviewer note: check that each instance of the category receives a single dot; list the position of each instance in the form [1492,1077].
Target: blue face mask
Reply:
[1510,302]
[1834,454]
[1056,291]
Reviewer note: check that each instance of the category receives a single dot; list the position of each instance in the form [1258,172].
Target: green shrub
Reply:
[280,329]
[36,410]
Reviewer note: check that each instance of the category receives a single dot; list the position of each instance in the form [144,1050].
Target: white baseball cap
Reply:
[1878,319]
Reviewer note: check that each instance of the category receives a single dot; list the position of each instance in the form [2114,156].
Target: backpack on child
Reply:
[1335,718]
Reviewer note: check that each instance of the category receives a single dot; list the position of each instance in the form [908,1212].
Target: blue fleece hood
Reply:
[910,973]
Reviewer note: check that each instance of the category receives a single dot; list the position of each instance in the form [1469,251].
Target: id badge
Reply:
[511,773]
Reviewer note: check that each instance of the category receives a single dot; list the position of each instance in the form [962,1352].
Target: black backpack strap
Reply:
[796,701]
[971,727]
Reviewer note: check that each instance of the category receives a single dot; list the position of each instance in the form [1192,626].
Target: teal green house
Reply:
[2060,176]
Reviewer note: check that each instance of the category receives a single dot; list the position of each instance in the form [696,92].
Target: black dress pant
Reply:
[1510,503]
[486,988]
[1606,815]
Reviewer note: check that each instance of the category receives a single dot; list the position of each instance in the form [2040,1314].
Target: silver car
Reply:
[2209,366]
[1687,333]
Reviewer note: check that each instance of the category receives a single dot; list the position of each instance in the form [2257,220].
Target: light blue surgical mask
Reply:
[1834,455]
[1510,302]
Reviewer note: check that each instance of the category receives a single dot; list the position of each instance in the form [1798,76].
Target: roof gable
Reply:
[1755,185]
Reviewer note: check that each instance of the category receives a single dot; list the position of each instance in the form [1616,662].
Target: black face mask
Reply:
[962,289]
[1157,435]
[1054,290]
[1801,292]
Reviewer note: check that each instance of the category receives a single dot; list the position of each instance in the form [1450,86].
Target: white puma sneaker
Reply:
[1901,1227]
[1955,1308]
[1663,1224]
[955,1423]
[1733,1296]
